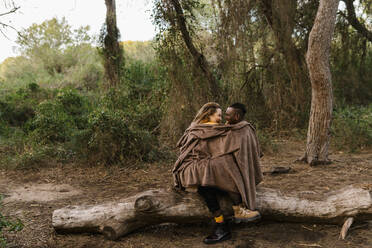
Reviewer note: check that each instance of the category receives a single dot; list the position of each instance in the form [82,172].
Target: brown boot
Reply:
[242,214]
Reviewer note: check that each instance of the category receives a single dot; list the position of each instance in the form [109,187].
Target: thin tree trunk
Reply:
[318,136]
[199,58]
[112,50]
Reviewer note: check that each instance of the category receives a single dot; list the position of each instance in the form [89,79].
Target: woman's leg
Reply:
[221,230]
[209,195]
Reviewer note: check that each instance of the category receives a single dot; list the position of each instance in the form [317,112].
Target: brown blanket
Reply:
[222,156]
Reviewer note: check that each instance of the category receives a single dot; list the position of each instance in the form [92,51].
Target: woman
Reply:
[217,158]
[192,168]
[197,169]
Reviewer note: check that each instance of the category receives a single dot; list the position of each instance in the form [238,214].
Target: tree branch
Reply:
[3,25]
[247,73]
[8,26]
[11,11]
[353,20]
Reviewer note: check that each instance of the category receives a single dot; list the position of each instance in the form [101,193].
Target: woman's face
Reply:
[216,117]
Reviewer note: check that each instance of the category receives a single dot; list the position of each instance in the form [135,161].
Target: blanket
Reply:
[221,156]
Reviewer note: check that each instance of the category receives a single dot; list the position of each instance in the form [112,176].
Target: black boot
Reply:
[220,233]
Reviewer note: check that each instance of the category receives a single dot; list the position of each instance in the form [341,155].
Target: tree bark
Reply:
[318,135]
[199,58]
[116,219]
[112,51]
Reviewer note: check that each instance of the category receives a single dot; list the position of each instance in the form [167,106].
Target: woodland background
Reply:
[72,98]
[58,105]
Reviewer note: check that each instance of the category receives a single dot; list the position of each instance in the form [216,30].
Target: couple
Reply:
[220,158]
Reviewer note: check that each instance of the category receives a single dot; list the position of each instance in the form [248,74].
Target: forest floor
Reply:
[32,195]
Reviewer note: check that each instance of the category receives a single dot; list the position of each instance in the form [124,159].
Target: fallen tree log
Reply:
[116,219]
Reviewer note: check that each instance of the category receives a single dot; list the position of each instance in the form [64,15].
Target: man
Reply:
[234,115]
[218,159]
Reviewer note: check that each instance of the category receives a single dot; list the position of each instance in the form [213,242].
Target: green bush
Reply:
[51,123]
[352,127]
[18,106]
[115,139]
[65,124]
[74,105]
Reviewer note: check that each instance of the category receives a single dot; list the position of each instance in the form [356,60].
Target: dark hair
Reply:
[240,108]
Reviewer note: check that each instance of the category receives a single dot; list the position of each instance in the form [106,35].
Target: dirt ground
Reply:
[32,195]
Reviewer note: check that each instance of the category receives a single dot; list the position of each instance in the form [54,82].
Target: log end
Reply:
[144,204]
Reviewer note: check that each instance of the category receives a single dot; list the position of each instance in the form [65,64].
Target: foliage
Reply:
[125,124]
[351,63]
[267,144]
[139,50]
[51,36]
[8,225]
[115,138]
[352,127]
[53,55]
[54,106]
[51,123]
[47,42]
[18,72]
[257,53]
[18,106]
[68,125]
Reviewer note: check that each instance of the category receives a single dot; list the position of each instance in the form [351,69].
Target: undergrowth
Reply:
[7,225]
[352,127]
[41,126]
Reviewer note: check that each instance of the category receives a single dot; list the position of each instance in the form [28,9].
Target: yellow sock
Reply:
[219,219]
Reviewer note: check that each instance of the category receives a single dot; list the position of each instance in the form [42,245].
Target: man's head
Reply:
[235,113]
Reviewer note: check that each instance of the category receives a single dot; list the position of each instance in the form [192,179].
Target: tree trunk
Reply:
[281,15]
[318,135]
[112,51]
[116,219]
[199,58]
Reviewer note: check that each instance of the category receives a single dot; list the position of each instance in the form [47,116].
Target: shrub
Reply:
[17,107]
[15,115]
[267,144]
[115,139]
[74,105]
[51,123]
[352,127]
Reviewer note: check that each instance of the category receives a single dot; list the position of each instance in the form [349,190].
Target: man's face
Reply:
[231,116]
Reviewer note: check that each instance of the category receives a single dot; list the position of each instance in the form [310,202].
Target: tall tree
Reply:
[199,58]
[281,17]
[47,42]
[112,51]
[317,58]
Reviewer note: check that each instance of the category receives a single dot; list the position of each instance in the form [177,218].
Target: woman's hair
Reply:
[207,110]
